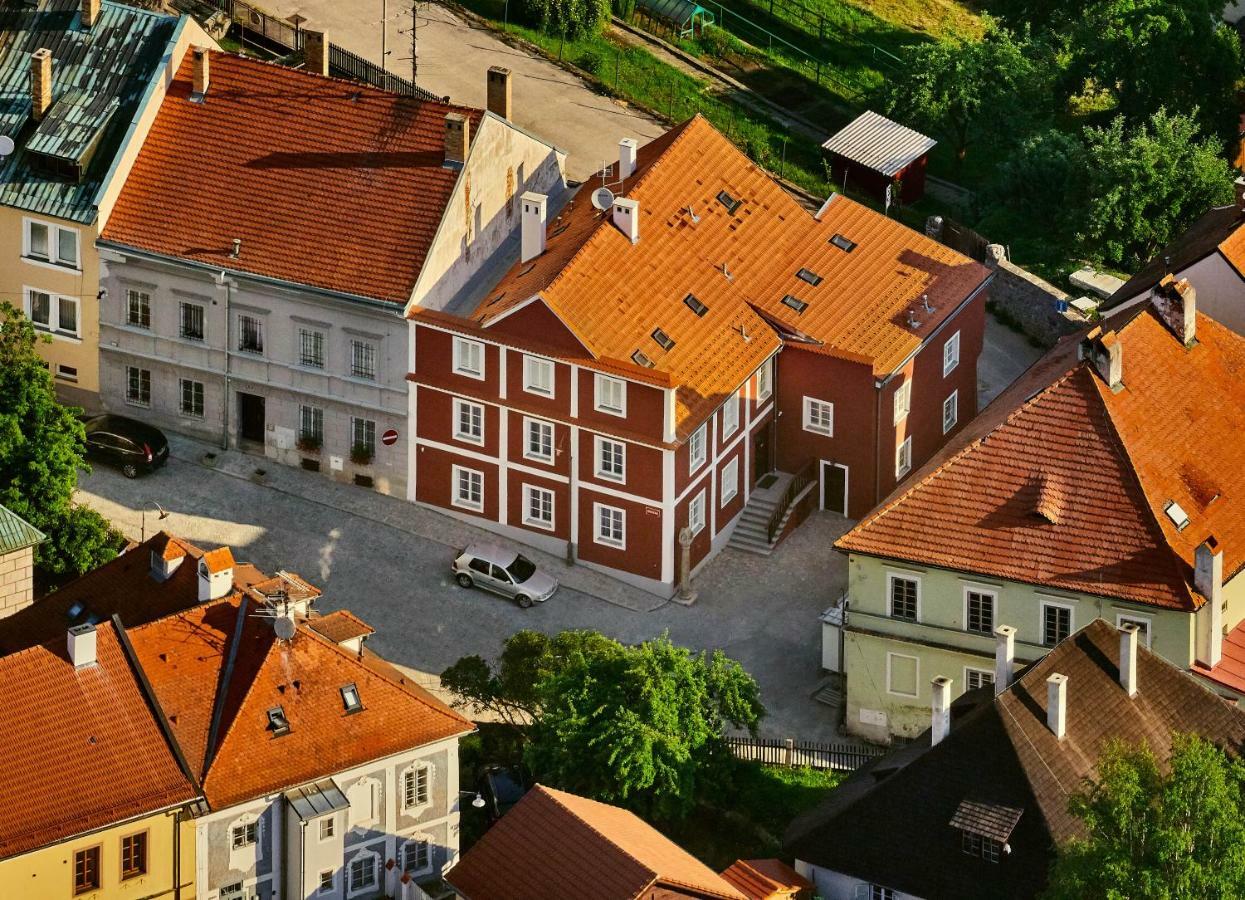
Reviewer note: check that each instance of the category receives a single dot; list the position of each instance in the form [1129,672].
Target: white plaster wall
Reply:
[837,886]
[1220,291]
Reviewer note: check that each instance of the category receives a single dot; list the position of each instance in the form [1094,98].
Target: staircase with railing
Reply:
[769,510]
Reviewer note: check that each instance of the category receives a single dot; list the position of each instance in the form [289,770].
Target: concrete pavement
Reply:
[1005,354]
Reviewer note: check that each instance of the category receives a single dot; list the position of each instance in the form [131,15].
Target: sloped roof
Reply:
[766,879]
[16,533]
[327,183]
[874,141]
[340,625]
[1230,672]
[81,749]
[1112,460]
[1002,754]
[585,850]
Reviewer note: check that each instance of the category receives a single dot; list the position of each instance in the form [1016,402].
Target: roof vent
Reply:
[843,243]
[796,304]
[692,303]
[237,249]
[1176,513]
[913,322]
[925,303]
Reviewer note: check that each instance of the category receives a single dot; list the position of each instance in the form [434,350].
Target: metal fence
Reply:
[790,752]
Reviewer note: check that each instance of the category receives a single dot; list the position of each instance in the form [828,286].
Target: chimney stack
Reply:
[457,138]
[316,52]
[1128,658]
[215,574]
[90,13]
[627,149]
[498,92]
[1176,302]
[1107,354]
[202,73]
[1208,580]
[40,83]
[940,710]
[1004,657]
[626,218]
[1057,704]
[1240,190]
[81,645]
[532,226]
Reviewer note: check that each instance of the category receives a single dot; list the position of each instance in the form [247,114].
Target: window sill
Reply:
[543,460]
[613,545]
[54,266]
[620,413]
[467,439]
[138,404]
[535,393]
[478,376]
[470,507]
[610,477]
[543,526]
[361,379]
[819,431]
[729,497]
[59,336]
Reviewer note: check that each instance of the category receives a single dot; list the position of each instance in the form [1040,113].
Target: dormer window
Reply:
[350,698]
[985,828]
[278,724]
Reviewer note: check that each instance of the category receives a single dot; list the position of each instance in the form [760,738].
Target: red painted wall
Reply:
[561,504]
[642,555]
[643,467]
[646,409]
[435,485]
[536,323]
[434,415]
[516,443]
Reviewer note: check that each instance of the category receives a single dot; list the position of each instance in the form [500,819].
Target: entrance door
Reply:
[251,417]
[834,488]
[761,464]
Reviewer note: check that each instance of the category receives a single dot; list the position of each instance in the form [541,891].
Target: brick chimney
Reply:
[457,139]
[1176,303]
[316,52]
[1107,354]
[202,73]
[498,91]
[940,710]
[1004,657]
[90,13]
[532,226]
[40,83]
[1057,705]
[1208,580]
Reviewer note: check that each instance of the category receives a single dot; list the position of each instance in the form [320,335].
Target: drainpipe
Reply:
[224,438]
[877,445]
[177,854]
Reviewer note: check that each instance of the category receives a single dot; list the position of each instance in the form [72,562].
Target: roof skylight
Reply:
[1176,513]
[795,303]
[809,275]
[278,724]
[641,360]
[847,246]
[350,698]
[695,305]
[663,340]
[729,202]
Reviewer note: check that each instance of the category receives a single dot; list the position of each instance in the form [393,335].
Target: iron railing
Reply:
[814,755]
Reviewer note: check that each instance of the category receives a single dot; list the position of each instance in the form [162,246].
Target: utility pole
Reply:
[413,31]
[384,40]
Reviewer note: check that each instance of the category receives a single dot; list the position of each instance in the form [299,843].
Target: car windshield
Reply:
[521,569]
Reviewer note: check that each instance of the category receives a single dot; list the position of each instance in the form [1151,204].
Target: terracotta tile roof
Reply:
[263,158]
[767,879]
[218,560]
[1231,669]
[1063,482]
[588,851]
[340,625]
[81,747]
[1000,753]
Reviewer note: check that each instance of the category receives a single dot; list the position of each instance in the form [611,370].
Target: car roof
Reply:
[494,553]
[122,426]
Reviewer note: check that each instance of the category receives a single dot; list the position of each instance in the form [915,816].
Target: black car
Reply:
[133,447]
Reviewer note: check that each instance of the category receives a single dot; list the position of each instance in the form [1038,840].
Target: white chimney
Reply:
[1057,704]
[1208,580]
[81,646]
[1004,657]
[940,710]
[627,149]
[626,218]
[1128,658]
[215,574]
[532,226]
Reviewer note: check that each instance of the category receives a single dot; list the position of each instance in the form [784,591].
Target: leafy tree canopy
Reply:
[570,19]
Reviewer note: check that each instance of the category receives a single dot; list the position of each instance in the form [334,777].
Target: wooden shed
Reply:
[873,153]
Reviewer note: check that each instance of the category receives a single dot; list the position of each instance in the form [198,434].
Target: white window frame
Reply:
[903,576]
[609,541]
[530,384]
[145,404]
[67,373]
[354,816]
[416,806]
[331,821]
[1146,622]
[953,399]
[528,425]
[765,380]
[598,455]
[951,354]
[53,326]
[351,890]
[903,400]
[916,680]
[903,457]
[811,423]
[1060,604]
[456,497]
[462,350]
[529,492]
[696,450]
[730,415]
[986,676]
[181,398]
[144,303]
[728,487]
[53,259]
[459,435]
[428,843]
[985,591]
[695,512]
[328,885]
[600,384]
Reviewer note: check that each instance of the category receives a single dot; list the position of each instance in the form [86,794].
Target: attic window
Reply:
[641,360]
[729,202]
[350,698]
[985,828]
[278,724]
[795,303]
[1176,513]
[663,340]
[843,243]
[695,305]
[810,276]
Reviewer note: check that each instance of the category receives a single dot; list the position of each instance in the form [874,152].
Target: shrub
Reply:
[361,454]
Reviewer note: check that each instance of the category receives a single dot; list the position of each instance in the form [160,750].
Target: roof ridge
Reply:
[552,793]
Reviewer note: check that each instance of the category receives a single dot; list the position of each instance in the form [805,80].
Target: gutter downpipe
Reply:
[177,854]
[227,285]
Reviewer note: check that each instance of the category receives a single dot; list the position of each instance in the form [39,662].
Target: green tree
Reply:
[41,451]
[1157,832]
[570,19]
[1045,181]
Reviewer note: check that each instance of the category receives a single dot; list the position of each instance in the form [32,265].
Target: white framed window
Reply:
[951,354]
[818,416]
[66,373]
[611,459]
[1057,622]
[362,798]
[234,891]
[52,312]
[190,321]
[765,380]
[362,359]
[696,448]
[903,597]
[730,415]
[975,678]
[137,386]
[537,440]
[46,242]
[538,376]
[611,525]
[730,481]
[1144,623]
[903,674]
[328,828]
[138,309]
[903,401]
[877,892]
[903,457]
[311,423]
[417,856]
[696,513]
[192,398]
[362,872]
[311,348]
[362,438]
[468,488]
[328,881]
[250,334]
[950,411]
[244,834]
[538,507]
[468,422]
[416,786]
[610,395]
[468,358]
[979,607]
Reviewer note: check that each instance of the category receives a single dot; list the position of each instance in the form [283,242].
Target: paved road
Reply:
[453,57]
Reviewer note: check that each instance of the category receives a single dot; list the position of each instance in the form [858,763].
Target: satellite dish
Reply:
[284,627]
[6,145]
[603,198]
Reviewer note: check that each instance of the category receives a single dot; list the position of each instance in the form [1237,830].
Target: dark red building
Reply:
[873,153]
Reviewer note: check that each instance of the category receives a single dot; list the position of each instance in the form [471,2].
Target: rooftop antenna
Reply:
[603,197]
[1167,263]
[743,332]
[727,272]
[692,212]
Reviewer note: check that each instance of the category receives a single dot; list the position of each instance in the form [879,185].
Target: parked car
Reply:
[501,788]
[504,572]
[134,447]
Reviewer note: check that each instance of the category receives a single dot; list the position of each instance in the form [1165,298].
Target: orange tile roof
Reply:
[1116,460]
[81,748]
[766,879]
[218,560]
[588,851]
[326,182]
[1231,669]
[340,625]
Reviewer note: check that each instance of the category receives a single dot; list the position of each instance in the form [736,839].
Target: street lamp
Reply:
[163,515]
[478,802]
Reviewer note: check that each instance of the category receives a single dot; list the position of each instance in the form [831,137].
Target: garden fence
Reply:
[790,752]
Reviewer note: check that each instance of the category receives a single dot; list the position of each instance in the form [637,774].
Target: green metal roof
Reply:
[16,533]
[99,75]
[677,12]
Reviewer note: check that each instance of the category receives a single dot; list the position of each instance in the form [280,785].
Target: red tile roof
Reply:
[218,560]
[586,851]
[340,625]
[81,750]
[1231,669]
[767,879]
[1064,482]
[326,182]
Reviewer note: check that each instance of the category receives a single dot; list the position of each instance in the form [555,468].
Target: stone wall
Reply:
[1023,300]
[16,580]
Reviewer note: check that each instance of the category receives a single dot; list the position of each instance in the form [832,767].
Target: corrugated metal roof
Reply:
[98,77]
[16,533]
[877,143]
[677,12]
[313,800]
